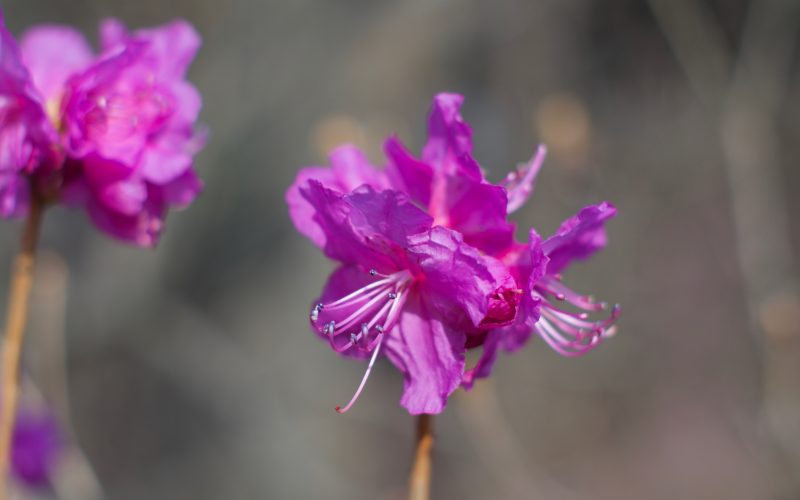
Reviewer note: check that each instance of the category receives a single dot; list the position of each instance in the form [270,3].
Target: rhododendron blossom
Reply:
[437,270]
[112,133]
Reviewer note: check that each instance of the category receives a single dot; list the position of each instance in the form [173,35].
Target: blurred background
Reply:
[191,372]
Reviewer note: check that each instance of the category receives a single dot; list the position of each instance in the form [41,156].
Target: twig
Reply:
[419,484]
[17,315]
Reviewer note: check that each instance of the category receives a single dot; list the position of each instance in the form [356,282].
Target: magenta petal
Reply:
[126,197]
[183,190]
[26,135]
[165,159]
[171,47]
[476,209]
[300,210]
[430,354]
[365,227]
[406,173]
[520,183]
[449,136]
[142,229]
[112,33]
[458,280]
[352,169]
[53,54]
[578,237]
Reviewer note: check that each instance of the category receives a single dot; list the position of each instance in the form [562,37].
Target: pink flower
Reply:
[123,123]
[27,138]
[517,285]
[404,285]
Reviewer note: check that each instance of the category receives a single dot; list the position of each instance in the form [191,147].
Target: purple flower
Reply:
[129,121]
[27,138]
[570,331]
[469,285]
[122,122]
[35,448]
[404,286]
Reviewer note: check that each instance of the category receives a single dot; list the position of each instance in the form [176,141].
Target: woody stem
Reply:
[419,484]
[16,318]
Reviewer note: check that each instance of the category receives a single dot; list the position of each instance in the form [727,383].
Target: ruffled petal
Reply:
[183,190]
[449,137]
[408,174]
[578,237]
[352,169]
[474,208]
[53,54]
[520,183]
[301,211]
[429,353]
[141,229]
[365,227]
[458,279]
[170,48]
[166,158]
[26,135]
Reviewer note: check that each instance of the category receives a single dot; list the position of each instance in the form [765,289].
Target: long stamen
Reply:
[350,321]
[571,333]
[358,293]
[349,405]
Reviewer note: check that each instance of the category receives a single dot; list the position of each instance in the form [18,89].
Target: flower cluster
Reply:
[429,266]
[112,133]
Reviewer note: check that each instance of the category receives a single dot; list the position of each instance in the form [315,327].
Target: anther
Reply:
[392,295]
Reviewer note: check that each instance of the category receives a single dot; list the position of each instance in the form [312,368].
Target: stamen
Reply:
[352,317]
[349,405]
[571,333]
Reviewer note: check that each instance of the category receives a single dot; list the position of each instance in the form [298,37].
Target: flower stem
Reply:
[16,318]
[419,484]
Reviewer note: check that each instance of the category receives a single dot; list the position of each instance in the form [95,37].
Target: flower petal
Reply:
[578,237]
[406,173]
[458,279]
[170,48]
[183,190]
[520,183]
[352,169]
[474,208]
[141,229]
[429,353]
[26,135]
[53,54]
[301,211]
[449,136]
[365,227]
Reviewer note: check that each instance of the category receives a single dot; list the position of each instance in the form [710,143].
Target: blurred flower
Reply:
[123,122]
[447,273]
[27,138]
[35,448]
